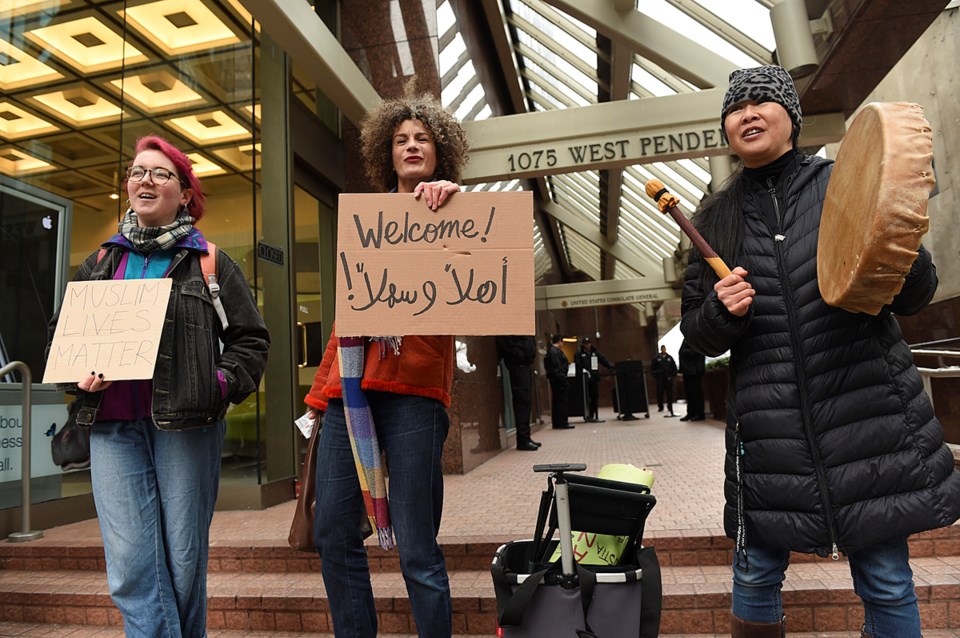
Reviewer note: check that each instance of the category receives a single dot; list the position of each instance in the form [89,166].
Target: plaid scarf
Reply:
[363,433]
[146,240]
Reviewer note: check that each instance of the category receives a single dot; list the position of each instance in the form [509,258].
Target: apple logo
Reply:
[47,222]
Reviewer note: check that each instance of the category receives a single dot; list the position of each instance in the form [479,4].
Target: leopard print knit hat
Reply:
[764,84]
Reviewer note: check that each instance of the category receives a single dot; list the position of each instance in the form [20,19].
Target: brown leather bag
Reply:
[301,529]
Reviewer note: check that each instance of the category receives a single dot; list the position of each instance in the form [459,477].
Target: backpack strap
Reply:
[208,264]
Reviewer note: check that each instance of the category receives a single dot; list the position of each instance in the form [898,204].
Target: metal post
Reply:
[26,409]
[563,523]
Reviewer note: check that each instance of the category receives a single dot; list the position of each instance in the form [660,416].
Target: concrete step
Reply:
[34,630]
[818,596]
[274,555]
[27,630]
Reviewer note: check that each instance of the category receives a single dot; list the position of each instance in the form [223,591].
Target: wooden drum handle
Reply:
[667,203]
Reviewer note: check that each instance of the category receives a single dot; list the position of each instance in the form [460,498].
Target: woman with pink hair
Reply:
[155,444]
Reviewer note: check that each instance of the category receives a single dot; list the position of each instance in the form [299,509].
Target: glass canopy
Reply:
[563,63]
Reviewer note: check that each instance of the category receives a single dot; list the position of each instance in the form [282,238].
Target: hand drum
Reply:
[875,212]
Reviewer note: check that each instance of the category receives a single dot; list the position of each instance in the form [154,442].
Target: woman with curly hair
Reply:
[389,394]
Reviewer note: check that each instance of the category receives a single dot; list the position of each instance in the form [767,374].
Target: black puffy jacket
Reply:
[838,445]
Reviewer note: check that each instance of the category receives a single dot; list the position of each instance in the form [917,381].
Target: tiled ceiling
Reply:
[81,80]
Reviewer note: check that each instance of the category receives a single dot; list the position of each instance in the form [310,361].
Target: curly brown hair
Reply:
[376,138]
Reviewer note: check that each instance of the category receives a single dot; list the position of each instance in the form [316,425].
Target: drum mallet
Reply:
[667,202]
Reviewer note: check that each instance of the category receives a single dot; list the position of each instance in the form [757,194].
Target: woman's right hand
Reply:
[435,193]
[735,292]
[94,383]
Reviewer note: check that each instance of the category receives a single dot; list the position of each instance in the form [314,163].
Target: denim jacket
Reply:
[186,390]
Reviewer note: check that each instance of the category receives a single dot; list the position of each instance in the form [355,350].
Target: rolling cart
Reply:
[537,597]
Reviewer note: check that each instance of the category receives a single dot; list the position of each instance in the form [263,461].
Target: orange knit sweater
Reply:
[424,368]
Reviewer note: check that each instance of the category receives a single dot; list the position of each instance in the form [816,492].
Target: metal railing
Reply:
[26,534]
[944,371]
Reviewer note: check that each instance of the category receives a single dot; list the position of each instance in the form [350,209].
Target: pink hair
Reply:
[184,168]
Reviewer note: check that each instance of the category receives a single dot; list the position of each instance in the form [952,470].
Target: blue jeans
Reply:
[411,431]
[155,493]
[881,577]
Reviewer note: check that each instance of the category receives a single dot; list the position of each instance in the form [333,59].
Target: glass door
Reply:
[33,229]
[310,333]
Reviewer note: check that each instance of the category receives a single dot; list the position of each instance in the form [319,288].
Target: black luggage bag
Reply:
[538,598]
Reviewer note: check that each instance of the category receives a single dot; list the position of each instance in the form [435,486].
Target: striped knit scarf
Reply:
[363,434]
[150,238]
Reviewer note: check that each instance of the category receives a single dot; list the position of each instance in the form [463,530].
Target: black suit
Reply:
[663,370]
[692,365]
[519,353]
[556,364]
[589,371]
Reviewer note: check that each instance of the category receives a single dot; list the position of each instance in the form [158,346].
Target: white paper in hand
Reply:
[307,422]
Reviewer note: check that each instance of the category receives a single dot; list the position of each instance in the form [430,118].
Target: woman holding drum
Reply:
[832,444]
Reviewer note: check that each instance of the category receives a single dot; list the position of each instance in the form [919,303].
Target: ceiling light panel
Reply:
[19,69]
[209,128]
[122,138]
[180,26]
[241,157]
[15,123]
[157,91]
[23,7]
[86,44]
[79,106]
[202,167]
[16,163]
[70,184]
[73,150]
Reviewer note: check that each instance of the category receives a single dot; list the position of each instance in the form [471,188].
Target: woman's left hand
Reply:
[94,383]
[435,193]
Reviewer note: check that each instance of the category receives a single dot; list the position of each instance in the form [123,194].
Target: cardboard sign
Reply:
[466,269]
[606,549]
[110,327]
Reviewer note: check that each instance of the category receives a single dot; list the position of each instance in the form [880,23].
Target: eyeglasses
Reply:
[158,175]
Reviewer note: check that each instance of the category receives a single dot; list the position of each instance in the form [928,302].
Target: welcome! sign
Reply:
[466,269]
